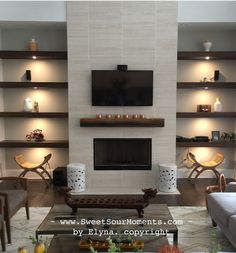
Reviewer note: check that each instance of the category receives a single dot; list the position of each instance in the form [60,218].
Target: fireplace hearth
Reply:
[122,154]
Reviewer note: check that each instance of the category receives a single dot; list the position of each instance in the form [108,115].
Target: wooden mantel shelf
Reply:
[146,122]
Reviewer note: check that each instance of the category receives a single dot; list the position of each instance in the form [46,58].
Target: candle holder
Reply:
[117,116]
[142,116]
[99,116]
[109,116]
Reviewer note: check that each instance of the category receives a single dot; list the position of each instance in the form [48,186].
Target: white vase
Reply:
[28,105]
[207,45]
[217,105]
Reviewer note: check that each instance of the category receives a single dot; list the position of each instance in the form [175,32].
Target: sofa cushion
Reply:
[221,206]
[15,198]
[232,224]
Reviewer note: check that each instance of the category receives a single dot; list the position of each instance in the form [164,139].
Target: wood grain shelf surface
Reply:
[56,85]
[207,144]
[200,55]
[41,55]
[33,144]
[206,114]
[207,85]
[34,114]
[146,122]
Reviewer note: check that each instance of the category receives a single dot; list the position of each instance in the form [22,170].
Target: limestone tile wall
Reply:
[100,36]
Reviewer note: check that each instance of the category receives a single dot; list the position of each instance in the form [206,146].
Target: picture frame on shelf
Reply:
[215,135]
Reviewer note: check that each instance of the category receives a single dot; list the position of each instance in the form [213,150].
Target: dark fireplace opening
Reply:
[122,154]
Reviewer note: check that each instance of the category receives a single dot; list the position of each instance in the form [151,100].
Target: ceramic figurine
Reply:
[28,106]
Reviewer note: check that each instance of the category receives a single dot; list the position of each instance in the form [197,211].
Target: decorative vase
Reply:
[36,106]
[33,45]
[217,105]
[207,45]
[28,105]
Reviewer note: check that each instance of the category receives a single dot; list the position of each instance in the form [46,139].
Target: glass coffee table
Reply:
[94,222]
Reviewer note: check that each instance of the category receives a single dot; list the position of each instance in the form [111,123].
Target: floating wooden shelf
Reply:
[34,114]
[56,85]
[206,115]
[207,144]
[208,85]
[33,144]
[147,122]
[218,55]
[41,55]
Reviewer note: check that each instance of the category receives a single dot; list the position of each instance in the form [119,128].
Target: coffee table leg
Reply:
[175,238]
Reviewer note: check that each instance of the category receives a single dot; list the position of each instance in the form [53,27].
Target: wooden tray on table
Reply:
[103,245]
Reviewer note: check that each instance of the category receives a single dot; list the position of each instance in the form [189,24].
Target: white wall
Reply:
[52,11]
[206,11]
[189,11]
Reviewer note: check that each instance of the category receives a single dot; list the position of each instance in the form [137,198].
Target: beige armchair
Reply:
[13,191]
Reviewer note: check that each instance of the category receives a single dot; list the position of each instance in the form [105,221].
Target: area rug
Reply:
[194,233]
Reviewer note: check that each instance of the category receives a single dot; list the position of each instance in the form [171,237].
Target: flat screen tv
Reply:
[122,88]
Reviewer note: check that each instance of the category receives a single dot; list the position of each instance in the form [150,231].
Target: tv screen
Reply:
[122,88]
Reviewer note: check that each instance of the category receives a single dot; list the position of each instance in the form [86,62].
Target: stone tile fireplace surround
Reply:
[142,35]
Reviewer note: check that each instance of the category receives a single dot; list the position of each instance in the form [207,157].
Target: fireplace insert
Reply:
[122,154]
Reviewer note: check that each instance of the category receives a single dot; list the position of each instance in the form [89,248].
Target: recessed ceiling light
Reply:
[207,58]
[34,57]
[206,88]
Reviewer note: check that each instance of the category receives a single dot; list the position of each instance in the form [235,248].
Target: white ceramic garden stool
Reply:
[167,177]
[76,177]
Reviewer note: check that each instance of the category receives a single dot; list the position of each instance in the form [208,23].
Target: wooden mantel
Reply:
[122,122]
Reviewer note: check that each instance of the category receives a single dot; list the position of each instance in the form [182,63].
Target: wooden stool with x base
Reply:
[40,169]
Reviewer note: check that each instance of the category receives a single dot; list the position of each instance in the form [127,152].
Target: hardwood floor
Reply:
[191,194]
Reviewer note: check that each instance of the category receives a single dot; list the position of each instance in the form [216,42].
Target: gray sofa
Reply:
[222,209]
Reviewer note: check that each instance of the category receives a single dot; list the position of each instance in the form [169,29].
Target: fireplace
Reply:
[122,154]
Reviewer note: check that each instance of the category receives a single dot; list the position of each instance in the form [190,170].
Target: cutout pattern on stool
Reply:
[76,177]
[167,180]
